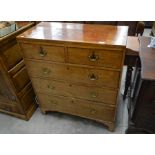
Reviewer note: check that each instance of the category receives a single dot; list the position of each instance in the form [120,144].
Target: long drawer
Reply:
[77,107]
[95,57]
[105,95]
[91,76]
[44,52]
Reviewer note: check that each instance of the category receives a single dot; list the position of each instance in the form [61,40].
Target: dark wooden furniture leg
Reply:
[130,60]
[127,81]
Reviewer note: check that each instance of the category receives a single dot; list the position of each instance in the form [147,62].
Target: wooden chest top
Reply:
[81,33]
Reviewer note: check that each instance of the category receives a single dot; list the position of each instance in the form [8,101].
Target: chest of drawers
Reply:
[17,97]
[76,68]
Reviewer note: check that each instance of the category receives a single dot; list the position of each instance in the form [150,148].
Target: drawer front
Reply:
[96,77]
[78,107]
[11,107]
[6,93]
[12,56]
[53,103]
[53,53]
[95,111]
[28,99]
[96,57]
[20,79]
[104,95]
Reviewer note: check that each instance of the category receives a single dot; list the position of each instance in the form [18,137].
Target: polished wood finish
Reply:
[42,52]
[142,105]
[17,97]
[11,55]
[105,95]
[20,79]
[79,69]
[80,74]
[78,107]
[132,47]
[95,57]
[78,33]
[147,57]
[131,56]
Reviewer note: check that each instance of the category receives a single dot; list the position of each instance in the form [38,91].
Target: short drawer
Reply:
[78,107]
[21,79]
[96,57]
[91,76]
[104,95]
[11,56]
[28,99]
[44,52]
[10,107]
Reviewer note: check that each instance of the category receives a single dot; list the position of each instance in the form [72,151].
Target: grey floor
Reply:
[58,123]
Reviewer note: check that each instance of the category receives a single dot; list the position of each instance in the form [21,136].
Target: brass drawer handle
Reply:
[92,77]
[93,57]
[42,52]
[46,71]
[50,87]
[94,94]
[93,111]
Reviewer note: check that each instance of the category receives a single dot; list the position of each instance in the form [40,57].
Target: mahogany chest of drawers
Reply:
[17,97]
[76,68]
